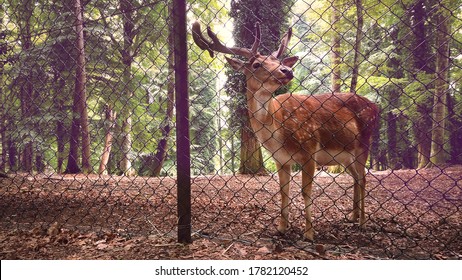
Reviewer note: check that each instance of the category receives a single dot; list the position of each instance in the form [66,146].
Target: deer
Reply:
[308,130]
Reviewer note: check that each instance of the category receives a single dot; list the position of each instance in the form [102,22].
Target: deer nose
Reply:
[288,72]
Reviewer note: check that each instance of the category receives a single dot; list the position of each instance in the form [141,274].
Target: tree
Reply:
[27,93]
[357,45]
[136,19]
[61,53]
[128,55]
[438,153]
[3,121]
[336,79]
[110,121]
[162,144]
[421,72]
[203,127]
[79,108]
[392,94]
[273,17]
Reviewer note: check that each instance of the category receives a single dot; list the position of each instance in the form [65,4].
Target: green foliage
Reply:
[203,125]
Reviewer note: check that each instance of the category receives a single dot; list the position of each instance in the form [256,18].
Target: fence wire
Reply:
[98,153]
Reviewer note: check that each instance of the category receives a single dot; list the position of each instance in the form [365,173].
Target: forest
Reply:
[88,86]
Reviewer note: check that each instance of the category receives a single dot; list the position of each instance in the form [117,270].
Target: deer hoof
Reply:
[309,235]
[282,228]
[353,218]
[362,223]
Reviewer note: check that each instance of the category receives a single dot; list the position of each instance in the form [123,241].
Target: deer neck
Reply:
[261,107]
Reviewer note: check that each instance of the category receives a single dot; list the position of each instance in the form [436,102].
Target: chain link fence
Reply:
[88,133]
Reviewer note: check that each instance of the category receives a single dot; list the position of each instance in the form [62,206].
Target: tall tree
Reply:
[3,121]
[455,127]
[203,128]
[422,68]
[273,16]
[392,94]
[438,153]
[80,86]
[80,113]
[162,144]
[61,55]
[336,80]
[357,45]
[136,30]
[128,55]
[25,16]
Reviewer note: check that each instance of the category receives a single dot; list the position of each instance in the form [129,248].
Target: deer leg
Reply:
[307,185]
[357,172]
[356,192]
[361,167]
[284,184]
[356,202]
[362,196]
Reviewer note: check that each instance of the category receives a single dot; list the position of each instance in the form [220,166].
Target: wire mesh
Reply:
[403,56]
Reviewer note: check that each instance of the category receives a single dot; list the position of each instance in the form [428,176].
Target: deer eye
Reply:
[256,65]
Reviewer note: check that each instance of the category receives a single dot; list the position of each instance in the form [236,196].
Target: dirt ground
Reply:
[412,214]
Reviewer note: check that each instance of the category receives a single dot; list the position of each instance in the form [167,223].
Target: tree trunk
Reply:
[74,140]
[246,13]
[80,88]
[393,92]
[357,46]
[80,115]
[438,153]
[60,126]
[39,164]
[4,143]
[376,159]
[127,9]
[162,145]
[421,54]
[12,155]
[455,129]
[423,150]
[3,117]
[110,122]
[60,137]
[27,90]
[251,154]
[126,162]
[335,50]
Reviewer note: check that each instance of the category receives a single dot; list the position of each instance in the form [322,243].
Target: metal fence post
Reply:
[182,123]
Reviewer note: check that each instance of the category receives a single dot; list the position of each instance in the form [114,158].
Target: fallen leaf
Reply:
[263,250]
[320,249]
[242,252]
[102,246]
[53,230]
[100,242]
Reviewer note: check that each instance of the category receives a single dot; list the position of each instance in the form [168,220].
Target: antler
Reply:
[284,42]
[217,46]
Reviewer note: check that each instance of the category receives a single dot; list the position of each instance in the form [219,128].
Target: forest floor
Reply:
[412,214]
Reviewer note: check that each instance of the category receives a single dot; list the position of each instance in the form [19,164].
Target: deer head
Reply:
[262,72]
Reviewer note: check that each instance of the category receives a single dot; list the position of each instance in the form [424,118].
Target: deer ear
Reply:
[290,61]
[235,63]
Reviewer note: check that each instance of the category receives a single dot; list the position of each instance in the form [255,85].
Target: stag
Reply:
[309,130]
